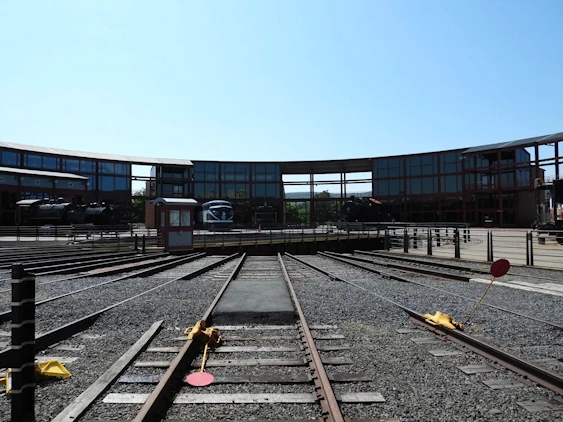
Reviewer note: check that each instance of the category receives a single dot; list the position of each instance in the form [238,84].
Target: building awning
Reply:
[42,173]
[520,143]
[175,201]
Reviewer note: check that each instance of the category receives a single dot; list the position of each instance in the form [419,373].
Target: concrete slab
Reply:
[257,297]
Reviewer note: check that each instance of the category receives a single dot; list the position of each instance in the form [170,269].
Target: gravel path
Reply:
[415,385]
[499,328]
[179,304]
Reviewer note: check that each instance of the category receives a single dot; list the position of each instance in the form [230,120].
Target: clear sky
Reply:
[279,79]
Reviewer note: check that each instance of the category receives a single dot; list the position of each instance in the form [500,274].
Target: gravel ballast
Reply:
[415,385]
[179,304]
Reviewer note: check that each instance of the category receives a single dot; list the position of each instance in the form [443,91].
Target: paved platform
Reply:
[259,295]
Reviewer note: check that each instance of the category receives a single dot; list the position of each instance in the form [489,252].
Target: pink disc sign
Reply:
[200,379]
[500,267]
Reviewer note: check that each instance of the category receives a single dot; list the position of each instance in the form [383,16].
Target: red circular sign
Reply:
[500,267]
[200,379]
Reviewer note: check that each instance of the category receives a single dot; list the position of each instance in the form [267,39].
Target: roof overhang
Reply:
[174,201]
[42,173]
[511,145]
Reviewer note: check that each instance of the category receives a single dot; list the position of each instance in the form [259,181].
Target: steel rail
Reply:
[170,383]
[62,333]
[399,278]
[325,394]
[544,377]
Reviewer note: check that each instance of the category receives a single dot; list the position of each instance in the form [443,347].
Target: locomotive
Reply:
[215,215]
[363,210]
[59,212]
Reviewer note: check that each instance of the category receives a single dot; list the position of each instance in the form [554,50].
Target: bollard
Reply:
[531,249]
[406,242]
[429,243]
[457,246]
[438,243]
[143,244]
[415,239]
[136,243]
[527,248]
[23,345]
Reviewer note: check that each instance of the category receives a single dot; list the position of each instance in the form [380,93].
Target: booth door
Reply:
[180,229]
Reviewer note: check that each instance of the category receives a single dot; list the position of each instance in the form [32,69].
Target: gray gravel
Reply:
[415,385]
[179,304]
[497,327]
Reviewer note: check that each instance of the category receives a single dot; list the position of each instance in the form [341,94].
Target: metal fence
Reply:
[521,247]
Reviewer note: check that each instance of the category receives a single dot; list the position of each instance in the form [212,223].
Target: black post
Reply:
[143,246]
[468,234]
[464,235]
[415,239]
[527,248]
[406,241]
[136,243]
[492,256]
[488,245]
[531,249]
[18,232]
[386,240]
[23,345]
[438,243]
[457,245]
[56,227]
[429,243]
[37,232]
[118,245]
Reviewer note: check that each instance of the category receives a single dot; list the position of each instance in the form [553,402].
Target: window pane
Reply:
[174,218]
[34,161]
[272,190]
[199,190]
[121,183]
[86,166]
[415,187]
[162,219]
[107,168]
[50,163]
[72,165]
[260,190]
[185,218]
[121,169]
[106,183]
[394,187]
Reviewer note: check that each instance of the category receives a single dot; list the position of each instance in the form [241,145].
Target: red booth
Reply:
[175,218]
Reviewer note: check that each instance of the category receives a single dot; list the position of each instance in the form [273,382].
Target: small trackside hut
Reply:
[175,223]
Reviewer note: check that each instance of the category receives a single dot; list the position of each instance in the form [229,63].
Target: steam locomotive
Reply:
[59,212]
[363,210]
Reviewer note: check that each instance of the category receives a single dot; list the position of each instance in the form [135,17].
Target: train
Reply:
[266,216]
[363,210]
[59,212]
[215,215]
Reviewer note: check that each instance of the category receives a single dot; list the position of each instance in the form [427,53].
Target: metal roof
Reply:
[28,202]
[96,155]
[44,173]
[175,201]
[354,165]
[522,143]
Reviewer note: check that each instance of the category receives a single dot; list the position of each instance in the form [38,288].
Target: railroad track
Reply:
[303,372]
[73,315]
[541,375]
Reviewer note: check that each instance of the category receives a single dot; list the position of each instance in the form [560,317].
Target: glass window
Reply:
[121,183]
[87,166]
[260,190]
[427,185]
[10,158]
[174,216]
[8,180]
[71,165]
[382,188]
[415,187]
[107,183]
[210,168]
[382,172]
[33,161]
[50,163]
[162,219]
[272,190]
[106,168]
[395,186]
[121,168]
[185,218]
[92,183]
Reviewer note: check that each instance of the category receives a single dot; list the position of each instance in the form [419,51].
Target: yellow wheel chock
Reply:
[50,368]
[444,320]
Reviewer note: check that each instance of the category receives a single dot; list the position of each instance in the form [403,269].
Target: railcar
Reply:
[215,215]
[363,210]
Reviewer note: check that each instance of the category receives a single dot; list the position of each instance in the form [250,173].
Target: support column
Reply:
[312,195]
[499,190]
[557,160]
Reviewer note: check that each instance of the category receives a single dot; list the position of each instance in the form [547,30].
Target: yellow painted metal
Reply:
[210,335]
[51,368]
[444,320]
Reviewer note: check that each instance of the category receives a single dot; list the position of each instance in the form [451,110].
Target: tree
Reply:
[324,210]
[138,206]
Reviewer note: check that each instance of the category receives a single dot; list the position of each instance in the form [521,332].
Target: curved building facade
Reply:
[462,185]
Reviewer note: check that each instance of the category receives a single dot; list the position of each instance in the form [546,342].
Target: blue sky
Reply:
[278,80]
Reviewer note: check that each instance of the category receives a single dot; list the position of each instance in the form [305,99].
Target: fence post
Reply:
[144,244]
[464,235]
[438,243]
[23,345]
[492,255]
[468,234]
[56,232]
[406,241]
[386,241]
[429,242]
[457,246]
[136,243]
[118,241]
[18,233]
[527,248]
[36,232]
[531,249]
[415,239]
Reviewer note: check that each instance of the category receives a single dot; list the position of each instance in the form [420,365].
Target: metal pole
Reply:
[23,345]
[457,244]
[144,244]
[406,241]
[136,243]
[464,235]
[438,243]
[415,239]
[531,249]
[488,245]
[492,257]
[386,240]
[527,248]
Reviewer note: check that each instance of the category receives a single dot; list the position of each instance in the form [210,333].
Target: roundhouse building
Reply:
[460,185]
